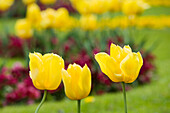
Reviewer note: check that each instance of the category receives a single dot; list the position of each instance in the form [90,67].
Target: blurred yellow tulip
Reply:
[89,99]
[5,4]
[122,65]
[48,17]
[23,29]
[88,22]
[134,7]
[45,71]
[27,2]
[115,5]
[48,2]
[77,81]
[33,14]
[91,6]
[82,6]
[61,17]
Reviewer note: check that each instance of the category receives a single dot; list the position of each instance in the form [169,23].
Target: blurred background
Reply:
[76,30]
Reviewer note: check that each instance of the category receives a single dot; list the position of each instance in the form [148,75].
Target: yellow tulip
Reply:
[33,14]
[48,18]
[77,81]
[5,4]
[122,65]
[48,2]
[88,22]
[134,7]
[99,6]
[61,17]
[23,29]
[27,2]
[82,6]
[115,5]
[45,71]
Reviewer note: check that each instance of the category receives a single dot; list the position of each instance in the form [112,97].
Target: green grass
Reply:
[150,98]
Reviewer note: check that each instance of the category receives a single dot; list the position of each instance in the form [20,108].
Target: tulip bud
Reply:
[77,81]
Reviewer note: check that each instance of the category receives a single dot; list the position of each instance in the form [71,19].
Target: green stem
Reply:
[42,101]
[78,106]
[124,95]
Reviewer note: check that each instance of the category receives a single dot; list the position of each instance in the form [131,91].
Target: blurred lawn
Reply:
[150,98]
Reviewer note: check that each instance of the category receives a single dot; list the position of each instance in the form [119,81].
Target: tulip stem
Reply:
[42,101]
[78,106]
[124,95]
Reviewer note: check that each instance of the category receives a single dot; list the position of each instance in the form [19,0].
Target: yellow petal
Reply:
[67,85]
[56,65]
[38,54]
[109,66]
[75,71]
[130,66]
[85,80]
[126,50]
[36,68]
[53,65]
[35,65]
[116,52]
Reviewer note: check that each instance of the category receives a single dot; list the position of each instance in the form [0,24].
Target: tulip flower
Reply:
[48,17]
[134,7]
[45,72]
[77,82]
[33,14]
[23,28]
[115,5]
[5,4]
[122,65]
[88,22]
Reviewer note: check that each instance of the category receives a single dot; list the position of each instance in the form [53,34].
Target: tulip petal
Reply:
[67,83]
[109,66]
[35,65]
[36,68]
[85,81]
[115,52]
[53,65]
[56,65]
[130,66]
[75,73]
[38,54]
[126,50]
